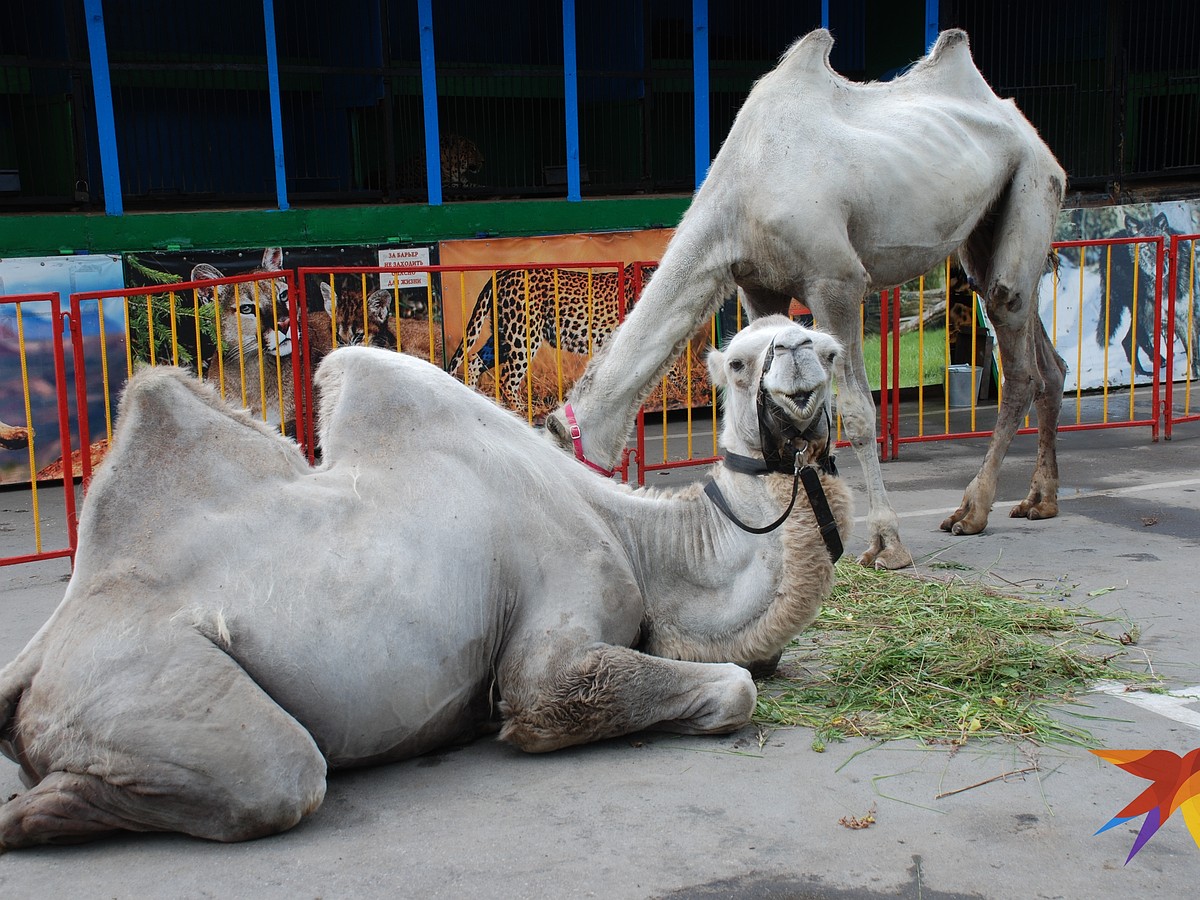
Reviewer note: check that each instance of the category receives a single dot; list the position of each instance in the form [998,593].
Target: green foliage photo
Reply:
[169,327]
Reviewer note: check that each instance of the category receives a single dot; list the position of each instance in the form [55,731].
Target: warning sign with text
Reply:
[404,256]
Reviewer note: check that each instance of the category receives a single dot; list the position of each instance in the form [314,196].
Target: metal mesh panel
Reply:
[636,118]
[333,95]
[1162,106]
[1113,88]
[190,101]
[47,131]
[500,97]
[743,48]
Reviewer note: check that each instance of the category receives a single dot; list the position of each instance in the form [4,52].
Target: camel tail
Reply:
[479,315]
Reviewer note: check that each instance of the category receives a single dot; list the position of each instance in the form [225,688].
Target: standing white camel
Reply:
[826,189]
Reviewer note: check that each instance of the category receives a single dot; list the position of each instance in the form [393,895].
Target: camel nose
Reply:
[788,340]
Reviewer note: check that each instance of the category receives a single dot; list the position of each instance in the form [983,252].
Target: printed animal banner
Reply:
[1098,307]
[30,443]
[203,329]
[341,293]
[514,326]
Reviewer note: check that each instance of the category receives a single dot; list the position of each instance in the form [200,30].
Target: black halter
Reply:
[778,437]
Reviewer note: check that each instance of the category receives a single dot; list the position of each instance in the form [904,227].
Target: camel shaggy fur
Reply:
[826,189]
[238,622]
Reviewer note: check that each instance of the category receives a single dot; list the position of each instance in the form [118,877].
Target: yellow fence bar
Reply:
[558,333]
[104,378]
[33,482]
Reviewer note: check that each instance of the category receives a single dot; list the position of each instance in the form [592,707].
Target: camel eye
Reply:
[736,365]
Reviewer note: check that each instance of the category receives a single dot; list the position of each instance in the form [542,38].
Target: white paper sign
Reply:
[404,256]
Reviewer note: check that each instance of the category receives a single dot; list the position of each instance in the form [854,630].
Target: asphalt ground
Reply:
[655,815]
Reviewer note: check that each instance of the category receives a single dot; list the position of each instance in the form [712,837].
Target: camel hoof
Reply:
[894,557]
[890,557]
[867,560]
[964,527]
[1034,511]
[763,668]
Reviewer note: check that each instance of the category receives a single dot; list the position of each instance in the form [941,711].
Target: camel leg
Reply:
[972,514]
[609,691]
[836,307]
[1042,502]
[205,752]
[1031,366]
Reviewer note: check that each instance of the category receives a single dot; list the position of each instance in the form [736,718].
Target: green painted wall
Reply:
[48,234]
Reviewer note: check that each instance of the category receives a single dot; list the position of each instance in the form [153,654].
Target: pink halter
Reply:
[578,444]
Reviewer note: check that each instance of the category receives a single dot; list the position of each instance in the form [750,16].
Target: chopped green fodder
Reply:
[891,656]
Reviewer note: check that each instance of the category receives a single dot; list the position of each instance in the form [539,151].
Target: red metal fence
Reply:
[18,344]
[1183,305]
[234,330]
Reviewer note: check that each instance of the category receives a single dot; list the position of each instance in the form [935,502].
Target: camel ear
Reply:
[327,296]
[716,367]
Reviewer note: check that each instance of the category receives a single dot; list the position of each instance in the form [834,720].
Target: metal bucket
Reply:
[959,387]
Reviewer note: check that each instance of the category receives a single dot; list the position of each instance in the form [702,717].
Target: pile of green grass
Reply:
[891,656]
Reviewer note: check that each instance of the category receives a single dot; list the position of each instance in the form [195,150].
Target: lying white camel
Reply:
[826,189]
[238,622]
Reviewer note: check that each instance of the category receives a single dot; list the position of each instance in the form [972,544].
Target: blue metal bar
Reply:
[825,14]
[571,93]
[276,106]
[433,152]
[110,169]
[700,86]
[931,23]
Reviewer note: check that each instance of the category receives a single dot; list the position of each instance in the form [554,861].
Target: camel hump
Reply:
[950,66]
[948,41]
[175,437]
[808,57]
[168,410]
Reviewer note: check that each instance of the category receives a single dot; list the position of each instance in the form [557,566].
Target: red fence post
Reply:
[895,417]
[1168,408]
[64,424]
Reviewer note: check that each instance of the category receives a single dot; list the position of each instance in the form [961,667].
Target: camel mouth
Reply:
[801,407]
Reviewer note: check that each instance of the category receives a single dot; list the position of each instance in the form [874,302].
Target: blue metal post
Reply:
[571,96]
[931,23]
[276,106]
[700,86]
[433,152]
[825,14]
[110,169]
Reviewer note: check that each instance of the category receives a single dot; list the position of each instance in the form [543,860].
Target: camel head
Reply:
[776,379]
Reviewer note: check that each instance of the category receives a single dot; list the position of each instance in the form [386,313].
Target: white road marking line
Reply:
[1171,705]
[1082,495]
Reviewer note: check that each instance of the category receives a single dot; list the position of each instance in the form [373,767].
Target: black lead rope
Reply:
[812,487]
